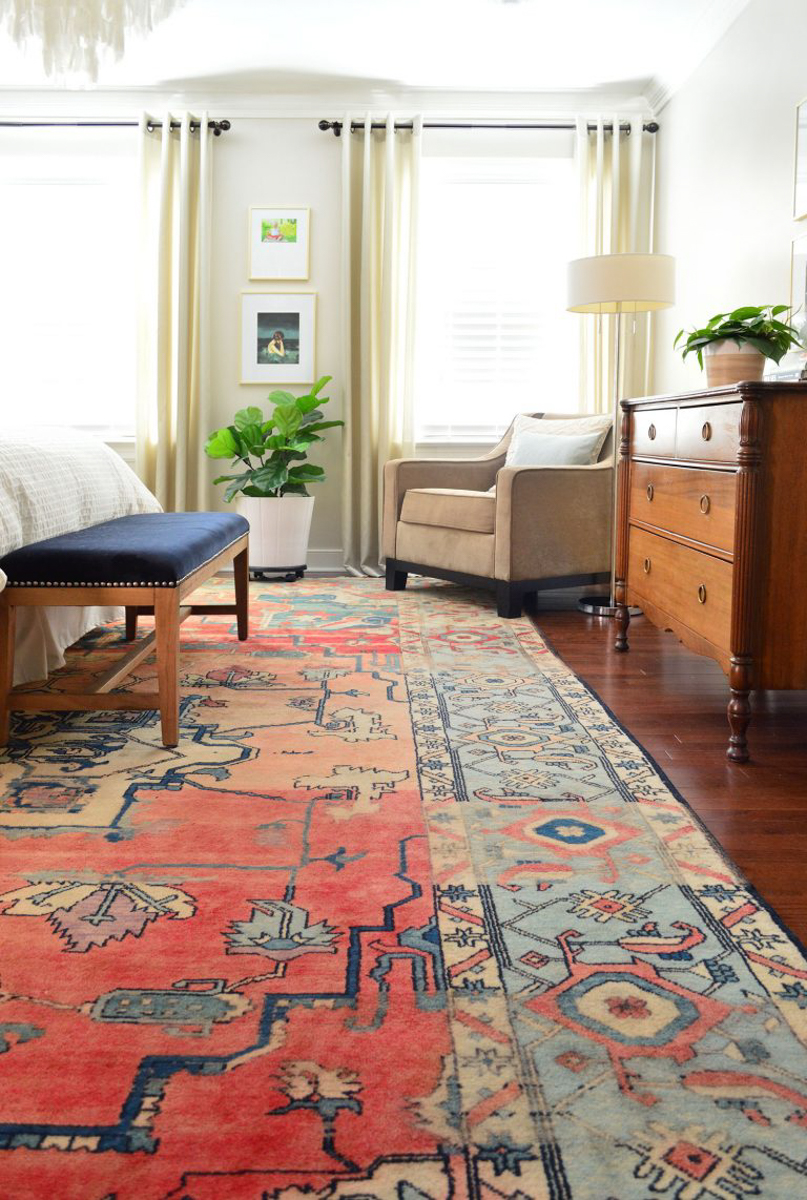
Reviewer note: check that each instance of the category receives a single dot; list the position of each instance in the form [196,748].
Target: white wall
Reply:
[272,162]
[725,181]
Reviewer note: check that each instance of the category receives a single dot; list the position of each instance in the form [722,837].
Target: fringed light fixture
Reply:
[75,33]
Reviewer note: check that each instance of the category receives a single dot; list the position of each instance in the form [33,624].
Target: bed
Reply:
[53,481]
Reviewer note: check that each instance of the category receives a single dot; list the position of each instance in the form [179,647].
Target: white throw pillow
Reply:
[524,428]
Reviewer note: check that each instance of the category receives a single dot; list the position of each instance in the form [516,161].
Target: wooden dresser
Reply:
[712,532]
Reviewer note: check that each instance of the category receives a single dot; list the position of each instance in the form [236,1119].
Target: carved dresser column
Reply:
[743,623]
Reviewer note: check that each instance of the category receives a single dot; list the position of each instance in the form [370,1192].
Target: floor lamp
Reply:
[618,283]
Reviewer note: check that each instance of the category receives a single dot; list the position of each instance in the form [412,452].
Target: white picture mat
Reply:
[800,166]
[253,304]
[279,260]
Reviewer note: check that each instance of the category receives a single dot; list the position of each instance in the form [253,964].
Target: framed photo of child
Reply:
[277,337]
[279,241]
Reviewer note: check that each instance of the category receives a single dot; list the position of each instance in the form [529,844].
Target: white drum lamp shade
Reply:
[621,283]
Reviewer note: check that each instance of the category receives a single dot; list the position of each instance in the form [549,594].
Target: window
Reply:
[68,248]
[493,336]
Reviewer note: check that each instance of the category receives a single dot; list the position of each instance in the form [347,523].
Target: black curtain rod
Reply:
[218,127]
[358,126]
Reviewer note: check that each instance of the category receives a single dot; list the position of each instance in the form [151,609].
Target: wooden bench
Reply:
[148,562]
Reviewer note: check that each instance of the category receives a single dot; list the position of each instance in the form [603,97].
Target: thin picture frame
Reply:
[790,367]
[800,163]
[279,242]
[278,337]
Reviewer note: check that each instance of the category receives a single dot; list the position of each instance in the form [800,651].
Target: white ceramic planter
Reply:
[727,363]
[278,531]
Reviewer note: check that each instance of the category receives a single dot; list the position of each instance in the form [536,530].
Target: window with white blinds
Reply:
[68,249]
[493,335]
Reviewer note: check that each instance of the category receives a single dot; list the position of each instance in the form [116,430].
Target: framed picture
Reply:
[279,243]
[277,337]
[800,171]
[791,366]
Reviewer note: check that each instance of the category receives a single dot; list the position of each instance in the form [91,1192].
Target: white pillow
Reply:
[524,428]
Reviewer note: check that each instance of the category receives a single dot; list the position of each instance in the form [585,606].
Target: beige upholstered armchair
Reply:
[542,527]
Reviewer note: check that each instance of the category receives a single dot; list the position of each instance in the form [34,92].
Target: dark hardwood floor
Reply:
[674,704]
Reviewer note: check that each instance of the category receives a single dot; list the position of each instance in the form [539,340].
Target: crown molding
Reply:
[110,103]
[713,24]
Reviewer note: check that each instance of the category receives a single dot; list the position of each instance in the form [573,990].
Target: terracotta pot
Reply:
[727,363]
[278,530]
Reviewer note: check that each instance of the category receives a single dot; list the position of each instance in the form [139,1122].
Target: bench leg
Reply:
[131,622]
[166,623]
[241,574]
[8,615]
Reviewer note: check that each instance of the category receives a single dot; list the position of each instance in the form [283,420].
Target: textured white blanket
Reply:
[53,481]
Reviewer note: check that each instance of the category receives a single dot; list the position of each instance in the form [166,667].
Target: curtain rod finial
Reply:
[336,126]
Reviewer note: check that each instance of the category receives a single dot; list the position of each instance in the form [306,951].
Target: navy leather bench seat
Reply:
[146,562]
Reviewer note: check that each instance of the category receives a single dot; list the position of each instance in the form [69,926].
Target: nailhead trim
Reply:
[139,583]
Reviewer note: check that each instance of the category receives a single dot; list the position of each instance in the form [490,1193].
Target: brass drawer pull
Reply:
[702,594]
[706,504]
[706,432]
[651,433]
[646,565]
[650,491]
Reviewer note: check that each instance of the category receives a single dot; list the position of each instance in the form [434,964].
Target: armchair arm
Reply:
[553,521]
[400,474]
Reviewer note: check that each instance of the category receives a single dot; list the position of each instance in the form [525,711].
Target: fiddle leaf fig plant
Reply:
[758,327]
[272,450]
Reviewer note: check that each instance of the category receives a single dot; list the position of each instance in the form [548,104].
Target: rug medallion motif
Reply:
[406,915]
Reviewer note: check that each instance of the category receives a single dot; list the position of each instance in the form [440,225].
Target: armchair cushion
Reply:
[450,508]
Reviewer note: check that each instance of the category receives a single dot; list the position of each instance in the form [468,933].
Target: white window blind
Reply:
[68,249]
[493,336]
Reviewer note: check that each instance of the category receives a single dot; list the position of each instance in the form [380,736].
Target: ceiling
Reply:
[639,47]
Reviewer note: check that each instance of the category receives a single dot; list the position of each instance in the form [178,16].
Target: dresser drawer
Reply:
[696,504]
[654,432]
[688,584]
[710,432]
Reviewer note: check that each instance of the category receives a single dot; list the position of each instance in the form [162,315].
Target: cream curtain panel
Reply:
[380,206]
[616,173]
[173,334]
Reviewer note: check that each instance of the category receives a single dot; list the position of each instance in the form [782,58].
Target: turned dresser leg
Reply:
[622,617]
[739,709]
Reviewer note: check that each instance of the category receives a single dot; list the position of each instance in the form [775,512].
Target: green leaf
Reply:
[306,471]
[320,384]
[745,314]
[271,476]
[237,485]
[247,417]
[311,417]
[294,489]
[287,419]
[279,397]
[323,425]
[221,444]
[307,404]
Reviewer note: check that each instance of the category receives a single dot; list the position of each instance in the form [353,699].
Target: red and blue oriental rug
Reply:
[405,915]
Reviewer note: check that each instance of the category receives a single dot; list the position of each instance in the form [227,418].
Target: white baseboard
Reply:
[326,560]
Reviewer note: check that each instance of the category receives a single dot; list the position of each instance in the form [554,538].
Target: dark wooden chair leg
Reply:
[8,614]
[241,575]
[508,599]
[396,580]
[166,623]
[131,622]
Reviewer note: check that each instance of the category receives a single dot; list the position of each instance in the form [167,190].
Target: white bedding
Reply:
[53,481]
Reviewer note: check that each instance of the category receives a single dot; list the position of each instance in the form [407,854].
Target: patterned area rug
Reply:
[406,915]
